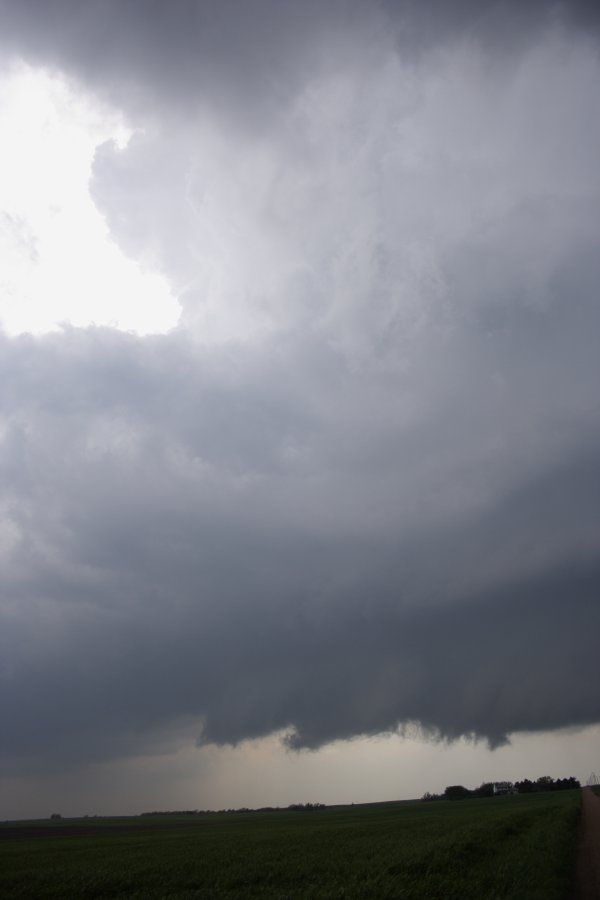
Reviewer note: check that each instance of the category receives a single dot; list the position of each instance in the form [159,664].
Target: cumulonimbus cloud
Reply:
[358,486]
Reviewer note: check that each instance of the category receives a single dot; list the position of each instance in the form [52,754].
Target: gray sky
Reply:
[349,503]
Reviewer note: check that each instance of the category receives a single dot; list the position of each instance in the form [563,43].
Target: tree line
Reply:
[294,807]
[495,788]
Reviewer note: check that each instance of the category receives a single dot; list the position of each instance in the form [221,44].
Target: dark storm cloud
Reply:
[234,56]
[247,60]
[369,496]
[501,24]
[169,562]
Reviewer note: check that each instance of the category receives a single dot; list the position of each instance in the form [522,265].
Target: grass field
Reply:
[518,847]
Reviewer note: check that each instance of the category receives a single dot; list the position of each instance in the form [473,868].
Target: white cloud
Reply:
[59,263]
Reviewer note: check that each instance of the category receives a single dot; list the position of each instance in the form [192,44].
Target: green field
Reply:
[519,847]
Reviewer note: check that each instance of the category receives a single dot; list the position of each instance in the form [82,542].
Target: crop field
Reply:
[517,847]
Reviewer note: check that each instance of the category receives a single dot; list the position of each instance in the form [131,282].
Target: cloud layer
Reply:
[357,487]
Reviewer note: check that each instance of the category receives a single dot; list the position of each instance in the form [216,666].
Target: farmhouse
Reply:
[503,787]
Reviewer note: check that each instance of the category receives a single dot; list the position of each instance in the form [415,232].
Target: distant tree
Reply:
[546,783]
[456,792]
[56,816]
[525,787]
[485,790]
[428,796]
[306,807]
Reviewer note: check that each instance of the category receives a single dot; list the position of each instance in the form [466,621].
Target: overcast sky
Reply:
[299,397]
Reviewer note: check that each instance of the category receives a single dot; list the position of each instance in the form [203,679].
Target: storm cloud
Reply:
[357,487]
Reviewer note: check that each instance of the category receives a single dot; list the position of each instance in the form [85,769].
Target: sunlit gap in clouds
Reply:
[59,264]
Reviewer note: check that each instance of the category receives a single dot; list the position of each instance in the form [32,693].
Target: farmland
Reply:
[518,847]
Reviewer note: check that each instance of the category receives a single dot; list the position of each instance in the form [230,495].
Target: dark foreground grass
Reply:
[502,848]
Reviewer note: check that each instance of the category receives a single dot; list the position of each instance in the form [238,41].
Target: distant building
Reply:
[503,787]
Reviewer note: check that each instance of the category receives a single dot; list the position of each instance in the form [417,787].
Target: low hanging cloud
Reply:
[357,487]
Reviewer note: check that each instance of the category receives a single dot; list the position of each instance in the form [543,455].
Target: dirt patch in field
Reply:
[588,862]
